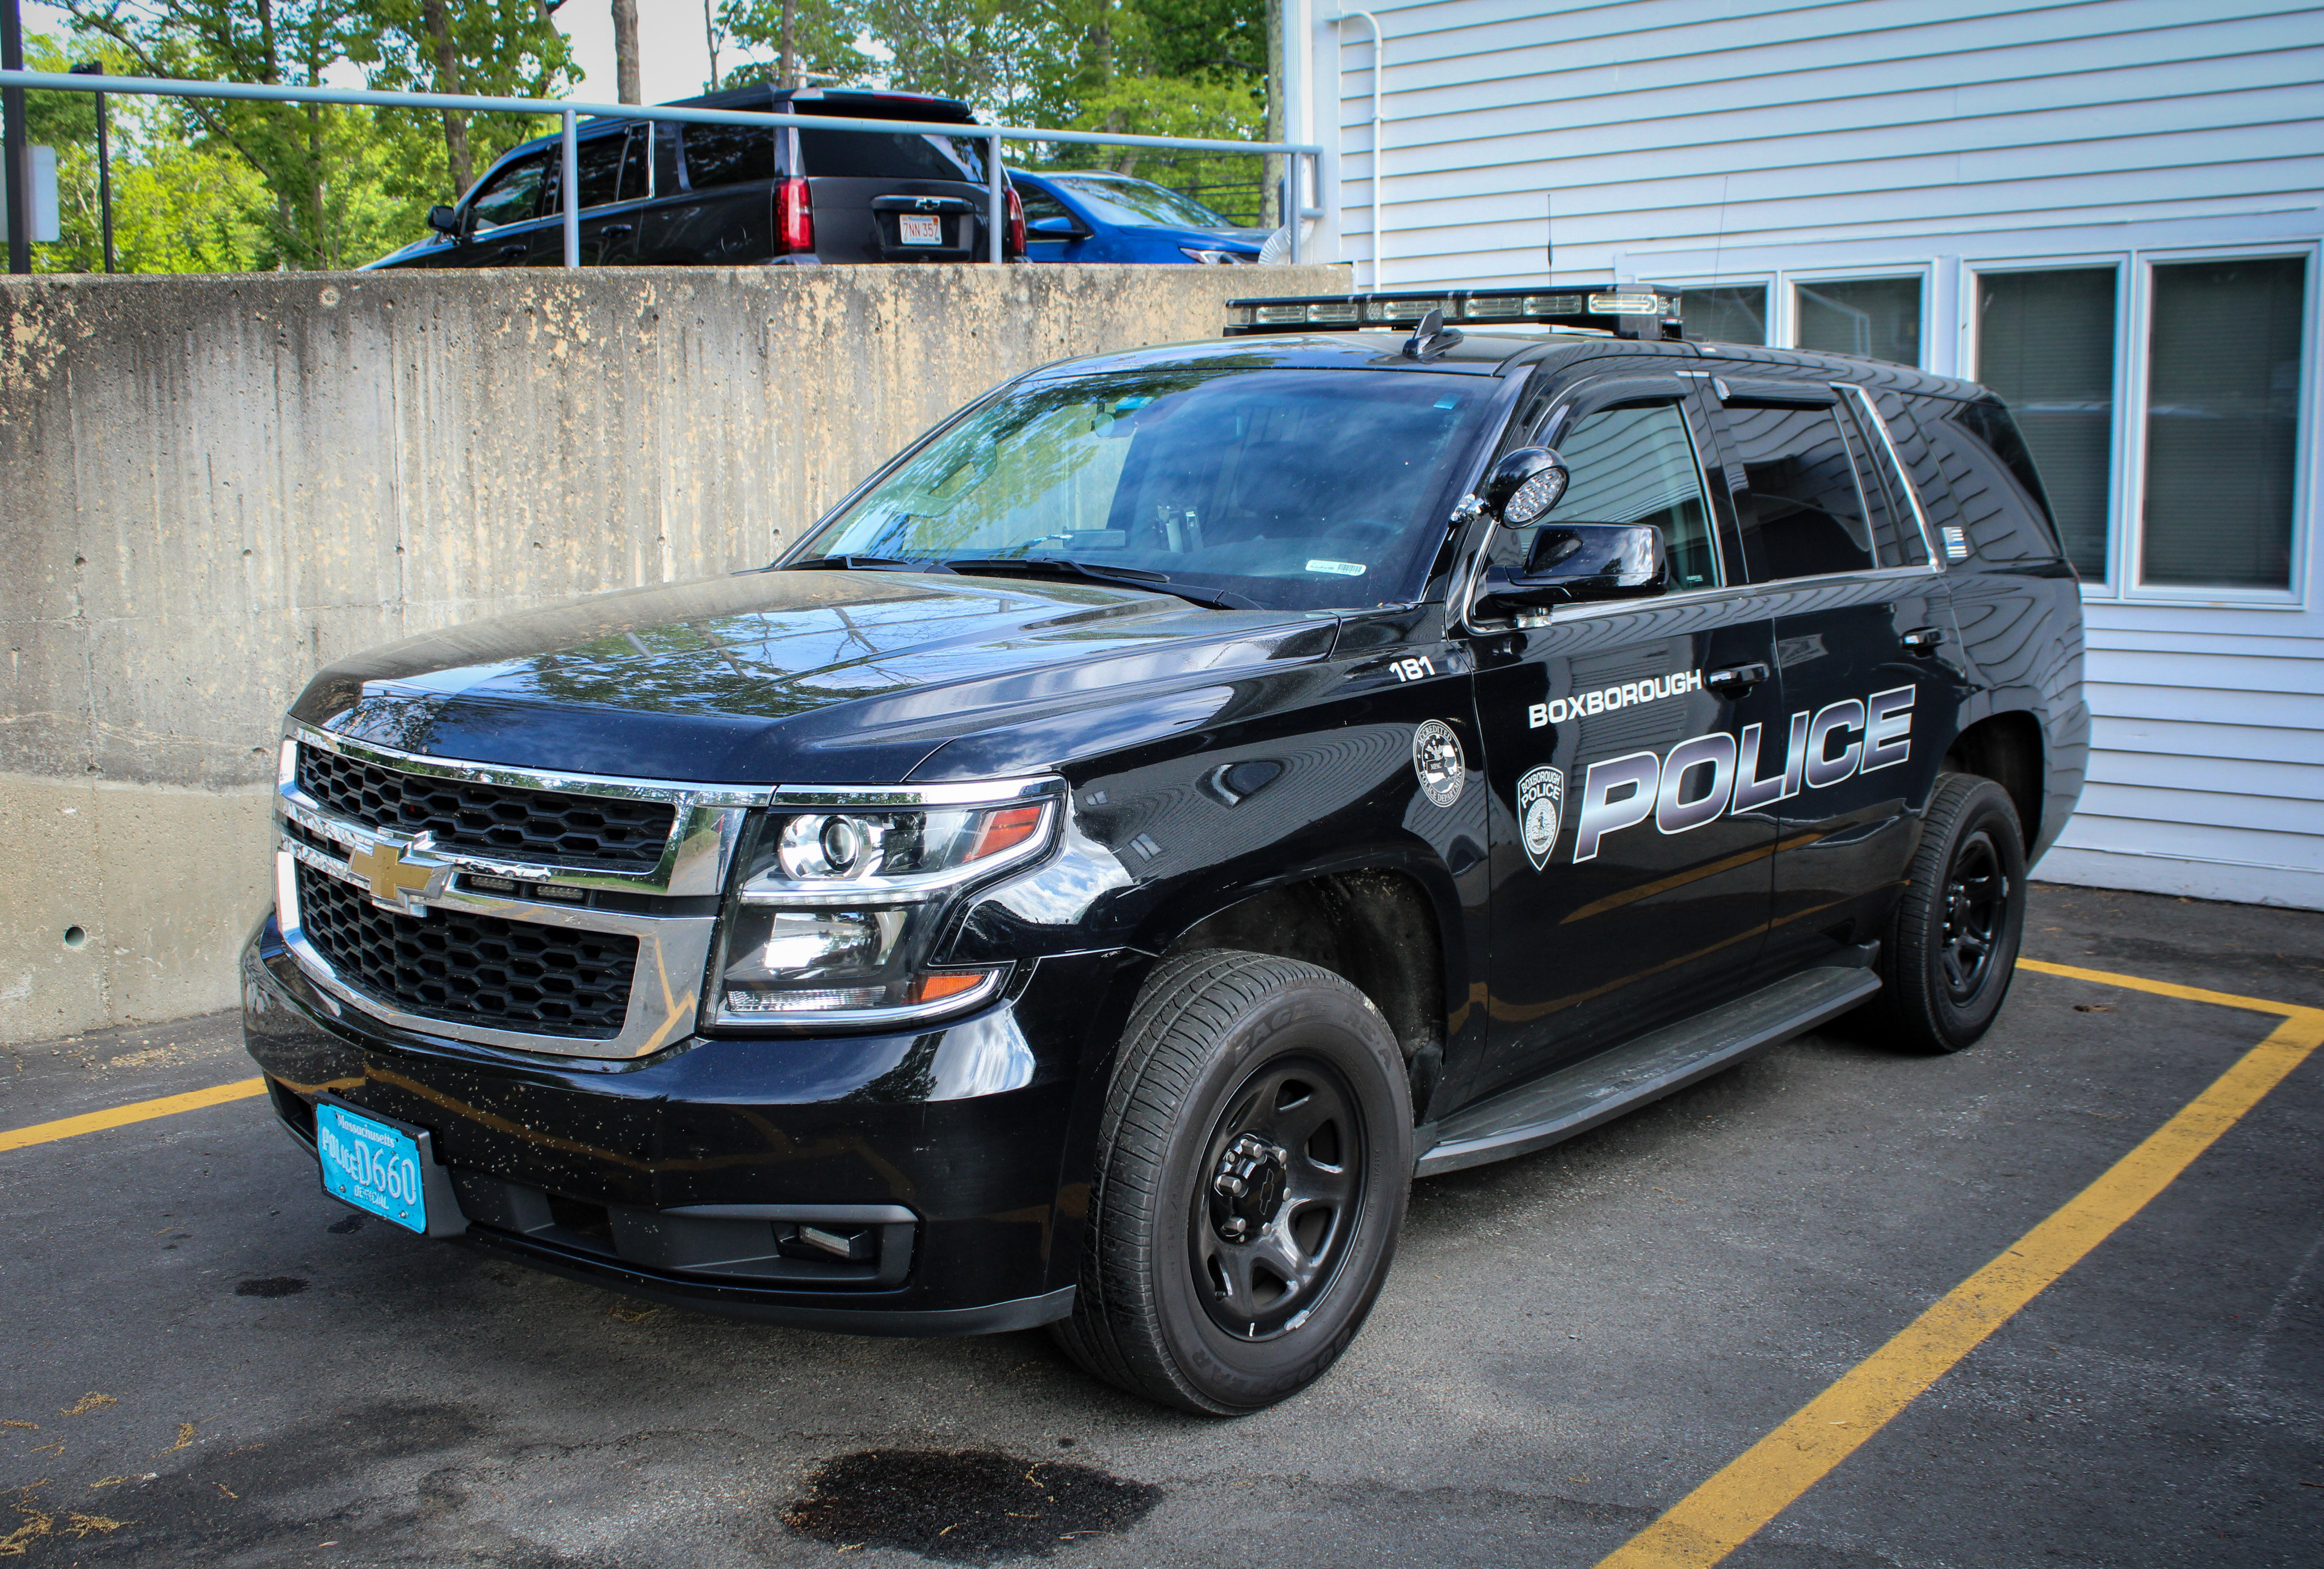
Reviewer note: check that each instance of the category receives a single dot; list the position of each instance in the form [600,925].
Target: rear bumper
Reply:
[683,1178]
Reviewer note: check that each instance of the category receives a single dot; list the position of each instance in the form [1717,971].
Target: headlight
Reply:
[1210,258]
[843,894]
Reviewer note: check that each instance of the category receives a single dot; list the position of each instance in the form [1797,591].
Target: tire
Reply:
[1253,1159]
[1951,944]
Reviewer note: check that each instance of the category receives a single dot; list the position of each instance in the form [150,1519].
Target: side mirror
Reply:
[1054,228]
[445,220]
[1524,486]
[1581,562]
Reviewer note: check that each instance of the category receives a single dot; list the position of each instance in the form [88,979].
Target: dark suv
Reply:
[660,192]
[1180,799]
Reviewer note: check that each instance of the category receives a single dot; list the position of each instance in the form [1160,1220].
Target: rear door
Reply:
[1629,888]
[1867,666]
[614,170]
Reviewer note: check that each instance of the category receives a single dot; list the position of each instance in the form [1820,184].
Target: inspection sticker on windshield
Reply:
[1338,568]
[920,231]
[371,1166]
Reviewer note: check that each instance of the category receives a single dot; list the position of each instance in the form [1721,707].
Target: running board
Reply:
[1576,1099]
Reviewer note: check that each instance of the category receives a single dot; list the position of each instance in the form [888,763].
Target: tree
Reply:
[489,48]
[627,78]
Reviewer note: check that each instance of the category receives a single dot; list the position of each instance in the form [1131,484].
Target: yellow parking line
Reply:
[1724,1512]
[136,1112]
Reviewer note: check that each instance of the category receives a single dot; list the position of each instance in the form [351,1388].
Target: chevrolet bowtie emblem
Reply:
[394,879]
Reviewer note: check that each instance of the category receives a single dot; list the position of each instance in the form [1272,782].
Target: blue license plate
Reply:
[371,1166]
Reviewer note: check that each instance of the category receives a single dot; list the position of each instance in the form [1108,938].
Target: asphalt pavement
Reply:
[209,1362]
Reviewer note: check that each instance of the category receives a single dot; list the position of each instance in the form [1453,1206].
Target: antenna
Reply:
[1549,234]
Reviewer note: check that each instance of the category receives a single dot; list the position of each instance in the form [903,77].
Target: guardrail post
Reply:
[571,187]
[996,215]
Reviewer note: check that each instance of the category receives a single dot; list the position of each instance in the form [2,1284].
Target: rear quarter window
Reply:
[728,155]
[1999,504]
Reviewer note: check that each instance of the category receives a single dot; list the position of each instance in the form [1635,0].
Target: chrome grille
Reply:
[490,820]
[472,969]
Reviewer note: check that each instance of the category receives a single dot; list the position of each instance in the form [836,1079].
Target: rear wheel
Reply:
[1253,1165]
[1951,944]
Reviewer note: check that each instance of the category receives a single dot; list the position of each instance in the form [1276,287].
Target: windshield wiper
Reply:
[862,564]
[1116,577]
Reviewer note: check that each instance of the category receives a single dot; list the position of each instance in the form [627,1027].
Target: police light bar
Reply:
[1639,311]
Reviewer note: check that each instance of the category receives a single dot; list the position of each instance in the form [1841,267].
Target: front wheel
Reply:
[1252,1166]
[1951,944]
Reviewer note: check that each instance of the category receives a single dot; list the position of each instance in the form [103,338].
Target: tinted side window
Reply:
[1808,514]
[598,161]
[1039,204]
[1999,521]
[1989,423]
[1895,532]
[1637,465]
[513,197]
[728,155]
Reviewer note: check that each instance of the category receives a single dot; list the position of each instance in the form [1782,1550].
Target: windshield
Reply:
[1294,489]
[1138,202]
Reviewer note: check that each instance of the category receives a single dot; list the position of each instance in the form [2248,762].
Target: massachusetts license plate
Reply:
[920,231]
[371,1166]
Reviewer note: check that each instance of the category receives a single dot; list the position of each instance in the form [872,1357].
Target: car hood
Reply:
[811,678]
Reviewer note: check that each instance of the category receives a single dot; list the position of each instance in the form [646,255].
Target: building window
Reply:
[1877,318]
[2045,341]
[2222,422]
[1728,314]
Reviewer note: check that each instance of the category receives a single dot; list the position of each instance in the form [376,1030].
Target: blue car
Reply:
[1096,217]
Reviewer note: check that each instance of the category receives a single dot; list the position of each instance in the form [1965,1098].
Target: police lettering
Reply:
[1707,777]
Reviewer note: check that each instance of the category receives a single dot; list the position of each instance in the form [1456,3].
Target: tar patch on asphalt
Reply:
[346,1227]
[968,1508]
[272,1286]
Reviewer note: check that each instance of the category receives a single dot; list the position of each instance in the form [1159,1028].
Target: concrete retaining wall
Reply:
[209,486]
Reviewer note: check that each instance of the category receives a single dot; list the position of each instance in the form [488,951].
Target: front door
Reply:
[503,221]
[1864,650]
[1628,888]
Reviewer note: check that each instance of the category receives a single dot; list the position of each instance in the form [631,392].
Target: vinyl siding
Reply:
[1694,140]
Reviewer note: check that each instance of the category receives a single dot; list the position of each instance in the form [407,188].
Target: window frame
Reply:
[2140,323]
[2119,433]
[1784,326]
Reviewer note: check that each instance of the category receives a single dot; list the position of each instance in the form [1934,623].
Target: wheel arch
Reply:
[1377,926]
[2007,749]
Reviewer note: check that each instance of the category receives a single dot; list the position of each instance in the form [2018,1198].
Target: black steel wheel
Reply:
[1951,943]
[1254,1155]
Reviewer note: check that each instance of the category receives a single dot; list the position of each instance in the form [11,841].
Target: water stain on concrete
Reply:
[966,1507]
[272,1286]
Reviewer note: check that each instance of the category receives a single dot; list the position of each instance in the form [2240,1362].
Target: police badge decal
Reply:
[1541,799]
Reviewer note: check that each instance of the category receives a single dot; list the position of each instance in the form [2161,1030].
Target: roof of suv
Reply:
[1499,353]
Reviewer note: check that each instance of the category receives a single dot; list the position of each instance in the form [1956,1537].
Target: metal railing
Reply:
[1305,156]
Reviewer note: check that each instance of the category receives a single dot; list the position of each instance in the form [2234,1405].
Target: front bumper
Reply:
[674,1178]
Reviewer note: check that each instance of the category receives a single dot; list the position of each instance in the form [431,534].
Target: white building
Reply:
[2110,211]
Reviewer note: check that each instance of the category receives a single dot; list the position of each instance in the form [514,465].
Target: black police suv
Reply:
[1177,801]
[658,192]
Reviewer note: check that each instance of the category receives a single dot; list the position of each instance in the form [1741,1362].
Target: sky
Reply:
[673,55]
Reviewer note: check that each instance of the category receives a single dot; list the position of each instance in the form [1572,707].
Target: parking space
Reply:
[208,1361]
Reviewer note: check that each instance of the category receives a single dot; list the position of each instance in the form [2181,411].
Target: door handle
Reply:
[1737,677]
[1924,641]
[612,230]
[515,250]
